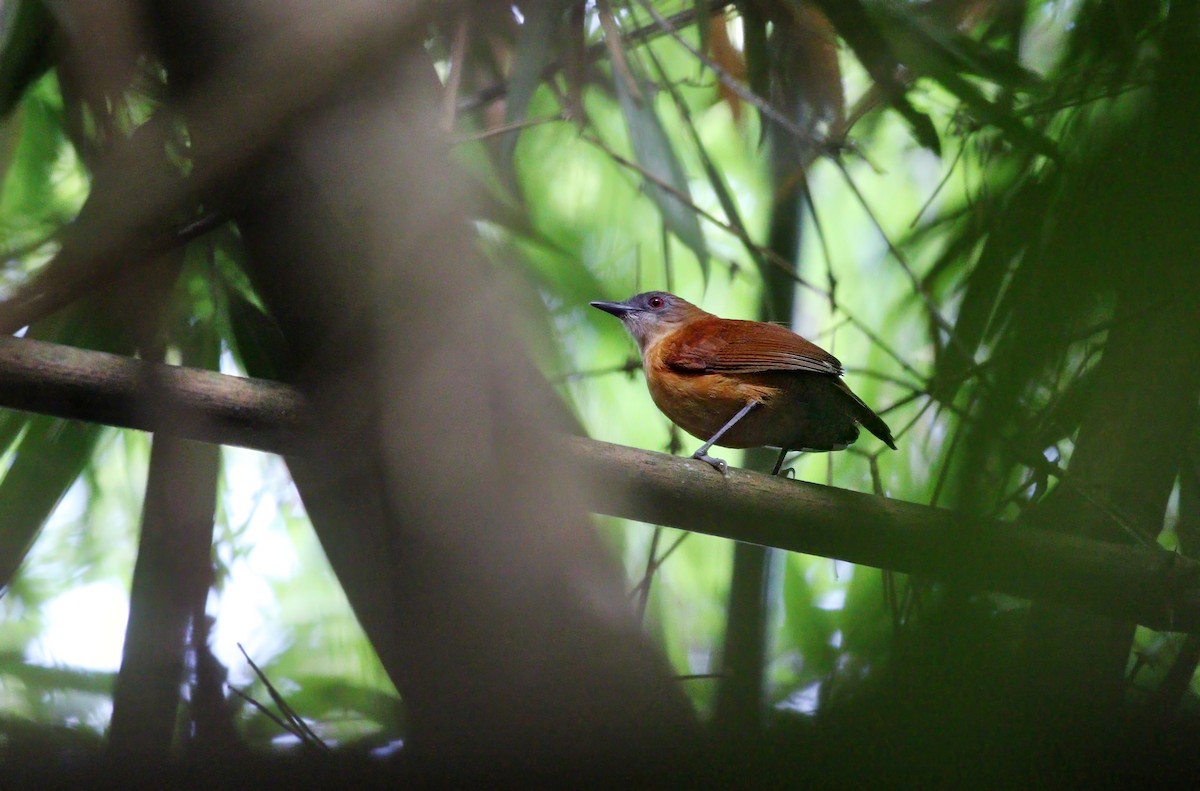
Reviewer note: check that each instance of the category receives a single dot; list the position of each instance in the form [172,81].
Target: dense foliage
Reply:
[984,208]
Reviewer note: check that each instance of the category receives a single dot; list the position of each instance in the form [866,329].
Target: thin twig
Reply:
[766,252]
[275,718]
[651,566]
[918,287]
[594,52]
[735,85]
[629,366]
[501,129]
[645,581]
[958,155]
[305,733]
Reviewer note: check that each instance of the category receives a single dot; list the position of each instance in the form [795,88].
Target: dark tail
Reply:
[864,415]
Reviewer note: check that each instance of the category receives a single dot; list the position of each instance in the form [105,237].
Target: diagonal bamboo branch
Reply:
[1150,586]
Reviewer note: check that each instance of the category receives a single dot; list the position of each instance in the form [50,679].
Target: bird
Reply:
[742,384]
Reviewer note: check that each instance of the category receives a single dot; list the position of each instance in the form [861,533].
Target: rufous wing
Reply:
[731,346]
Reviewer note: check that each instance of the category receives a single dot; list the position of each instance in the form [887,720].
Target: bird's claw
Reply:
[718,464]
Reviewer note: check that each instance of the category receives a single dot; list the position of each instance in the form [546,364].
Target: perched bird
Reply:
[742,384]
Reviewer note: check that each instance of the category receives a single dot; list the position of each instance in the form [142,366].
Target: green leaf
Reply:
[52,454]
[40,677]
[754,47]
[939,66]
[25,51]
[533,48]
[703,13]
[715,178]
[653,151]
[252,333]
[874,51]
[809,627]
[28,197]
[258,342]
[1003,244]
[970,55]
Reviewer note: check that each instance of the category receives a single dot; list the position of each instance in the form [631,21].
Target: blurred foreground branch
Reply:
[1151,586]
[66,382]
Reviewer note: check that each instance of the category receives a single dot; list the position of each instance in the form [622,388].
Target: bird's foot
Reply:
[718,464]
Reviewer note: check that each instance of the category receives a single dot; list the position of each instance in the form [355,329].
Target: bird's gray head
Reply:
[652,315]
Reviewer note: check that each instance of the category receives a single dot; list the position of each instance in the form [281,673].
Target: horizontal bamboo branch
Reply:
[1149,586]
[97,387]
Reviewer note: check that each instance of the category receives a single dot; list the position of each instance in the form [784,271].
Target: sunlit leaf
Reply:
[29,196]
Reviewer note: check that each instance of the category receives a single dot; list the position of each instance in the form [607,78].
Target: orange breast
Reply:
[798,410]
[701,403]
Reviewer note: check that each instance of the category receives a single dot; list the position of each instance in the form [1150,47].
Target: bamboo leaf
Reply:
[52,454]
[984,286]
[926,58]
[874,51]
[754,45]
[258,342]
[715,178]
[28,196]
[25,51]
[651,147]
[653,151]
[553,270]
[970,55]
[703,13]
[533,49]
[810,627]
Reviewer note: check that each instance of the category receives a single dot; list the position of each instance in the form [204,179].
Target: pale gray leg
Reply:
[702,452]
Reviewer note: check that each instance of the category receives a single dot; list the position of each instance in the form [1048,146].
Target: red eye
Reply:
[656,302]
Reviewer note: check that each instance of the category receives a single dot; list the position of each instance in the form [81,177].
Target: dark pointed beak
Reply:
[618,309]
